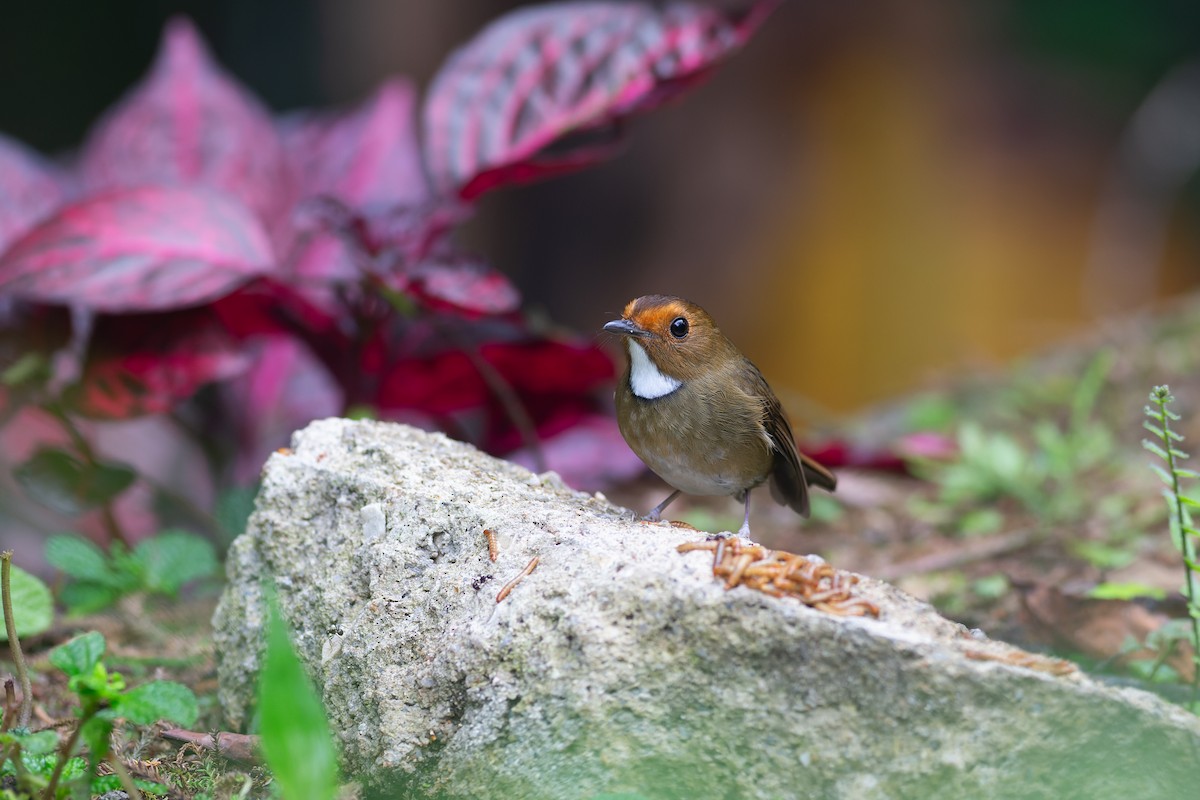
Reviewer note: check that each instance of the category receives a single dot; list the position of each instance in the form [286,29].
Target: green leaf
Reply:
[173,558]
[1153,448]
[33,607]
[991,587]
[80,655]
[87,598]
[234,507]
[1162,473]
[97,735]
[29,368]
[295,734]
[105,784]
[1101,555]
[1187,473]
[77,557]
[157,700]
[980,521]
[60,481]
[38,743]
[1125,591]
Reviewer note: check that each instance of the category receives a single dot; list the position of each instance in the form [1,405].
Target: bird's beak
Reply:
[626,328]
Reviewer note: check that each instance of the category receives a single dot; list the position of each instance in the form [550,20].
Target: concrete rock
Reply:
[620,667]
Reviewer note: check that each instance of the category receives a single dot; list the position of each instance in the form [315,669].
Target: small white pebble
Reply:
[374,523]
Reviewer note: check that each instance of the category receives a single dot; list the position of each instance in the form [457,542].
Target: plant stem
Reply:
[1185,544]
[63,758]
[84,448]
[14,644]
[125,778]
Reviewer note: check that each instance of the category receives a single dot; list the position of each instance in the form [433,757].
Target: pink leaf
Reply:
[189,123]
[540,73]
[368,157]
[284,389]
[589,455]
[29,189]
[463,285]
[142,249]
[336,244]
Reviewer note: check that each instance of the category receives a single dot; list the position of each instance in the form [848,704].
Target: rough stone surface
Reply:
[620,666]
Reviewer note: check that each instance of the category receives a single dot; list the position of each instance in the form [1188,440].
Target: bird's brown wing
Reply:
[791,472]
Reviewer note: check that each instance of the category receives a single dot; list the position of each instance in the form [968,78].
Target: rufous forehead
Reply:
[656,316]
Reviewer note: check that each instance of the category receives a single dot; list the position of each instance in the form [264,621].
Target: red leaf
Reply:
[189,123]
[540,73]
[156,376]
[550,367]
[439,385]
[29,189]
[142,249]
[463,285]
[368,157]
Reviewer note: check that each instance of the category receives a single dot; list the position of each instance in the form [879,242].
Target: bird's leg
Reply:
[656,513]
[744,531]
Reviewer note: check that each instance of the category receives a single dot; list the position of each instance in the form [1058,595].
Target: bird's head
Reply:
[671,341]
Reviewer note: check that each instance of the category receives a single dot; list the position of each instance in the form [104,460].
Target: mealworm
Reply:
[508,587]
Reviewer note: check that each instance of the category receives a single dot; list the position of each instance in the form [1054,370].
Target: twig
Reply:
[14,644]
[493,548]
[952,559]
[508,587]
[238,746]
[10,703]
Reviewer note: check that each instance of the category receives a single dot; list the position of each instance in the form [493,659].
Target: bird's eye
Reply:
[679,327]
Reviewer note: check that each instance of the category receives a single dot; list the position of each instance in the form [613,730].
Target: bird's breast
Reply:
[698,439]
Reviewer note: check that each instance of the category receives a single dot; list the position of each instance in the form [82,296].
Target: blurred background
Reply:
[873,193]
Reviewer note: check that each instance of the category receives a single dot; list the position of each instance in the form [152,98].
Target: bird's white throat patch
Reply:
[644,378]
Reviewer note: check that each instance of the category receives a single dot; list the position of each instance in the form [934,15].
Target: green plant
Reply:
[28,758]
[295,734]
[1159,646]
[1179,505]
[1043,473]
[33,606]
[159,565]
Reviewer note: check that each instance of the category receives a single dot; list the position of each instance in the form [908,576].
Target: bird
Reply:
[701,415]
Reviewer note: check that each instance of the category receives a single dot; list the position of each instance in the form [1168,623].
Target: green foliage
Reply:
[65,483]
[1180,505]
[103,699]
[1161,644]
[295,734]
[1128,590]
[1044,473]
[80,655]
[233,511]
[159,565]
[33,607]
